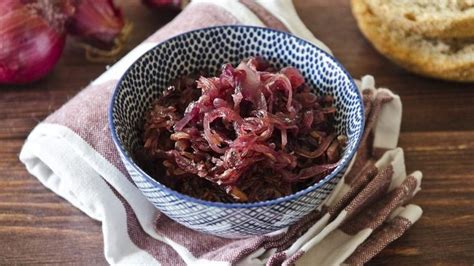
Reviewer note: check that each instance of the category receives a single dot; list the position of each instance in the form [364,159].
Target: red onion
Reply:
[97,22]
[173,4]
[319,151]
[213,138]
[31,38]
[100,26]
[255,133]
[316,170]
[282,82]
[295,77]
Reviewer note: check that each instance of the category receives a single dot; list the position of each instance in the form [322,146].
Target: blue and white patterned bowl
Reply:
[207,49]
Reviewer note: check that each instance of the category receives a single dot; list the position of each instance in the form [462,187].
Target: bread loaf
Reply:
[445,58]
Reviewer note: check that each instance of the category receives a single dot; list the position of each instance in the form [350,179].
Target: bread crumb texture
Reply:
[431,18]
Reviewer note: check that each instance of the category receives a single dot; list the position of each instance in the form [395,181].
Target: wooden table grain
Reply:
[36,226]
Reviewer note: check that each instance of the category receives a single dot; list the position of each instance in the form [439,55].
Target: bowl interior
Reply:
[207,49]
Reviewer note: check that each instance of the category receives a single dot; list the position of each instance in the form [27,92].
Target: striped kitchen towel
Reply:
[71,152]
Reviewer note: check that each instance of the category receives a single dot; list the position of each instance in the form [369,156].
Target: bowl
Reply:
[207,49]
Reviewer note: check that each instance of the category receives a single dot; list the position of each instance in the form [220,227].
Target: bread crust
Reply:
[435,24]
[411,51]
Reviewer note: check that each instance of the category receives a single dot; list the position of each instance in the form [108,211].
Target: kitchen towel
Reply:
[71,153]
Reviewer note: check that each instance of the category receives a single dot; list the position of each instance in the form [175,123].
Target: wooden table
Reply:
[36,226]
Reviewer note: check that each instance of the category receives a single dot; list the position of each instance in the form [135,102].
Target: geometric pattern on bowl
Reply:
[207,49]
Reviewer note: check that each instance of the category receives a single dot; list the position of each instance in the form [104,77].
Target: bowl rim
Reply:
[272,202]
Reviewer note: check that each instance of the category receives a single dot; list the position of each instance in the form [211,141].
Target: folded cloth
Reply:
[72,153]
